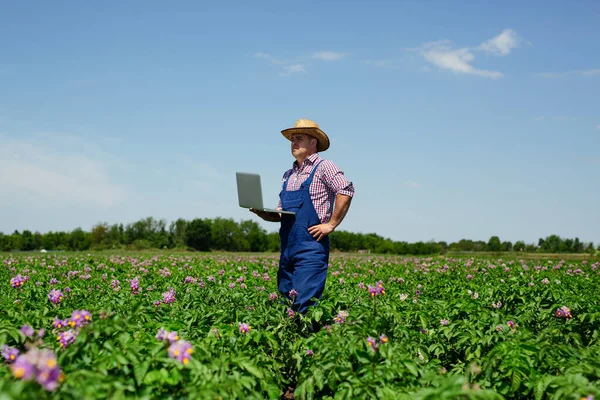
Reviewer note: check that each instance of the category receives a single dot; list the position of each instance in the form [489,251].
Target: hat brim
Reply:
[322,138]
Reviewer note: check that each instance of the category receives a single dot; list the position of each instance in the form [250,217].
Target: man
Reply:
[320,195]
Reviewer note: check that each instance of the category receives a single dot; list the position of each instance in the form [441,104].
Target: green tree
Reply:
[255,235]
[79,240]
[98,234]
[27,243]
[494,244]
[177,232]
[578,246]
[519,246]
[198,234]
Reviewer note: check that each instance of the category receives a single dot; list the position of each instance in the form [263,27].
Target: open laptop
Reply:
[250,192]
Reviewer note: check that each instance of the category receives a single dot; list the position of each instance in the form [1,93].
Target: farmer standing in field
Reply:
[320,195]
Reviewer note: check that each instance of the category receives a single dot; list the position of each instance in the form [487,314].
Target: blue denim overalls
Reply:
[303,262]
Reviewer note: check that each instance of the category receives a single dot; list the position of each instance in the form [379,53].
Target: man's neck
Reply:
[300,160]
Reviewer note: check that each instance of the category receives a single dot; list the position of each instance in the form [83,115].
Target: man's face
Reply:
[302,145]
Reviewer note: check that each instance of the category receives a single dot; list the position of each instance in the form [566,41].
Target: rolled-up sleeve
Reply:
[335,180]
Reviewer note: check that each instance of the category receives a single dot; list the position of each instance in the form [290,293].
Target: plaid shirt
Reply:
[328,182]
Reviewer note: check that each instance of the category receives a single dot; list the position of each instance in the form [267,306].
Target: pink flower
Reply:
[244,328]
[181,351]
[55,296]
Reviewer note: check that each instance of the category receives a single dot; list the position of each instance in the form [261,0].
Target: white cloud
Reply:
[293,69]
[444,55]
[56,170]
[299,63]
[328,55]
[502,44]
[411,184]
[581,73]
[459,61]
[590,72]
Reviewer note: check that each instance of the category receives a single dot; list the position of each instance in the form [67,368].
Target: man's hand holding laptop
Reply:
[267,216]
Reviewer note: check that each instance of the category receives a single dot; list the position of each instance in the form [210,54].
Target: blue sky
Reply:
[453,121]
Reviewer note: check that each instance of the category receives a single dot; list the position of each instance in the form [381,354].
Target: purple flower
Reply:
[377,290]
[510,324]
[469,277]
[38,364]
[563,312]
[372,342]
[157,303]
[59,323]
[181,351]
[66,338]
[383,339]
[79,318]
[53,281]
[341,317]
[444,322]
[293,293]
[161,335]
[309,352]
[169,297]
[55,296]
[244,328]
[290,313]
[10,354]
[134,285]
[361,286]
[87,316]
[17,281]
[172,337]
[49,378]
[115,284]
[22,368]
[27,330]
[272,296]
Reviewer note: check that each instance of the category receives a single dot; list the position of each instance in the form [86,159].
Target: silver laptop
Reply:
[250,192]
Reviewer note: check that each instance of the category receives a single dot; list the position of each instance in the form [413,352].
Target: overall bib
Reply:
[303,262]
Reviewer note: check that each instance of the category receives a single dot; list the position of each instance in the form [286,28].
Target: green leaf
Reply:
[152,376]
[412,367]
[318,314]
[139,371]
[252,369]
[174,377]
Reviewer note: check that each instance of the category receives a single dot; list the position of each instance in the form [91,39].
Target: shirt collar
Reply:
[313,158]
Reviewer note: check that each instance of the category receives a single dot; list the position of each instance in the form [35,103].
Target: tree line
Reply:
[222,234]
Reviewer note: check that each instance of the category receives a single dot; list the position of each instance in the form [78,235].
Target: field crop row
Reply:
[214,327]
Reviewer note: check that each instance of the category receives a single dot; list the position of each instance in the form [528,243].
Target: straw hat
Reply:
[311,128]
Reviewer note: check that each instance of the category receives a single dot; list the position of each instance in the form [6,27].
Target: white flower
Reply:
[403,297]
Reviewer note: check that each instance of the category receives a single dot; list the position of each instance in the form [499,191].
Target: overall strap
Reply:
[308,181]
